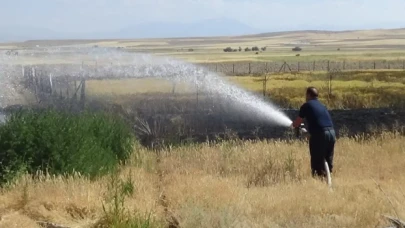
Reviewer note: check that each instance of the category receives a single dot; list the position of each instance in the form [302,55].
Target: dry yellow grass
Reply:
[350,90]
[233,184]
[252,83]
[136,86]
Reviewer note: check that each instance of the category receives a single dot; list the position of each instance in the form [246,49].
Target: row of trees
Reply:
[229,49]
[12,53]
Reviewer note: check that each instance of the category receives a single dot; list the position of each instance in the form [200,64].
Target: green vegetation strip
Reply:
[56,142]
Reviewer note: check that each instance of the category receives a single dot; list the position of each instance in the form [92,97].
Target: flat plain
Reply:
[235,183]
[317,45]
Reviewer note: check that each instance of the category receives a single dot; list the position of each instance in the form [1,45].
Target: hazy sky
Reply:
[109,15]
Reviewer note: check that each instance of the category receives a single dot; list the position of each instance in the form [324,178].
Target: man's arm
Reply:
[298,121]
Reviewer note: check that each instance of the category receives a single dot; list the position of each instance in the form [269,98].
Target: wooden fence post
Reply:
[34,77]
[265,85]
[83,93]
[330,84]
[250,70]
[197,95]
[67,88]
[173,87]
[233,68]
[298,67]
[75,95]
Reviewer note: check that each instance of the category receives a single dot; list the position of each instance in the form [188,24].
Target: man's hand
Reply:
[297,122]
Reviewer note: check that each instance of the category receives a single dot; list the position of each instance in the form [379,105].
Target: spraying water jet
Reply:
[105,63]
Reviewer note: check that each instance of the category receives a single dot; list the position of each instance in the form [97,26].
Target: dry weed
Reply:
[231,184]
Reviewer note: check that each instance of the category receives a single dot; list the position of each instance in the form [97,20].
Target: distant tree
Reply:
[190,49]
[263,48]
[297,55]
[255,48]
[240,49]
[235,50]
[257,53]
[338,49]
[247,49]
[297,49]
[228,49]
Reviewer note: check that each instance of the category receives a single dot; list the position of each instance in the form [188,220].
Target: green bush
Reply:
[62,143]
[116,215]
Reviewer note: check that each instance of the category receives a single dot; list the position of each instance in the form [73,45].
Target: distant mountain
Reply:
[205,28]
[22,33]
[212,27]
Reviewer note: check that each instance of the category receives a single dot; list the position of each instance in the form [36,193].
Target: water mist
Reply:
[115,64]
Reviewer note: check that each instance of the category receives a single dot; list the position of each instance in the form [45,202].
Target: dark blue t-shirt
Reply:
[317,116]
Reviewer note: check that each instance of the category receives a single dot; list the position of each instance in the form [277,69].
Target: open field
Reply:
[363,89]
[231,184]
[195,114]
[188,166]
[317,45]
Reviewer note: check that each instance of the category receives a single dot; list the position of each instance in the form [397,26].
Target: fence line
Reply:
[45,87]
[68,82]
[243,68]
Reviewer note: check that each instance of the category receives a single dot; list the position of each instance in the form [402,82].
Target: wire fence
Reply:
[245,68]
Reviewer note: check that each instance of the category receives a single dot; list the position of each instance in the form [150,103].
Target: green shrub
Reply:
[116,215]
[62,143]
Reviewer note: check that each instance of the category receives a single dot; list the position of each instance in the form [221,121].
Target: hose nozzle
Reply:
[299,130]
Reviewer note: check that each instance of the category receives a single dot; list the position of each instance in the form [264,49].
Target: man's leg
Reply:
[317,151]
[331,139]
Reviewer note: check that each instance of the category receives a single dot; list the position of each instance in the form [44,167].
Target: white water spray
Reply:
[118,64]
[8,88]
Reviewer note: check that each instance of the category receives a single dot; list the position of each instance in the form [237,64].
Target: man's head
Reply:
[312,93]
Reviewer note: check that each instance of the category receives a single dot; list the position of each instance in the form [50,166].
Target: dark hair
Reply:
[312,92]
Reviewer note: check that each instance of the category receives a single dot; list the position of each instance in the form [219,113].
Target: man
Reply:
[320,128]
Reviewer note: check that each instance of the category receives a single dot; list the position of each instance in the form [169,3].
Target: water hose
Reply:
[329,178]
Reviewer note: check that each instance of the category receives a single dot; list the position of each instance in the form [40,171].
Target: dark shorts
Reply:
[321,147]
